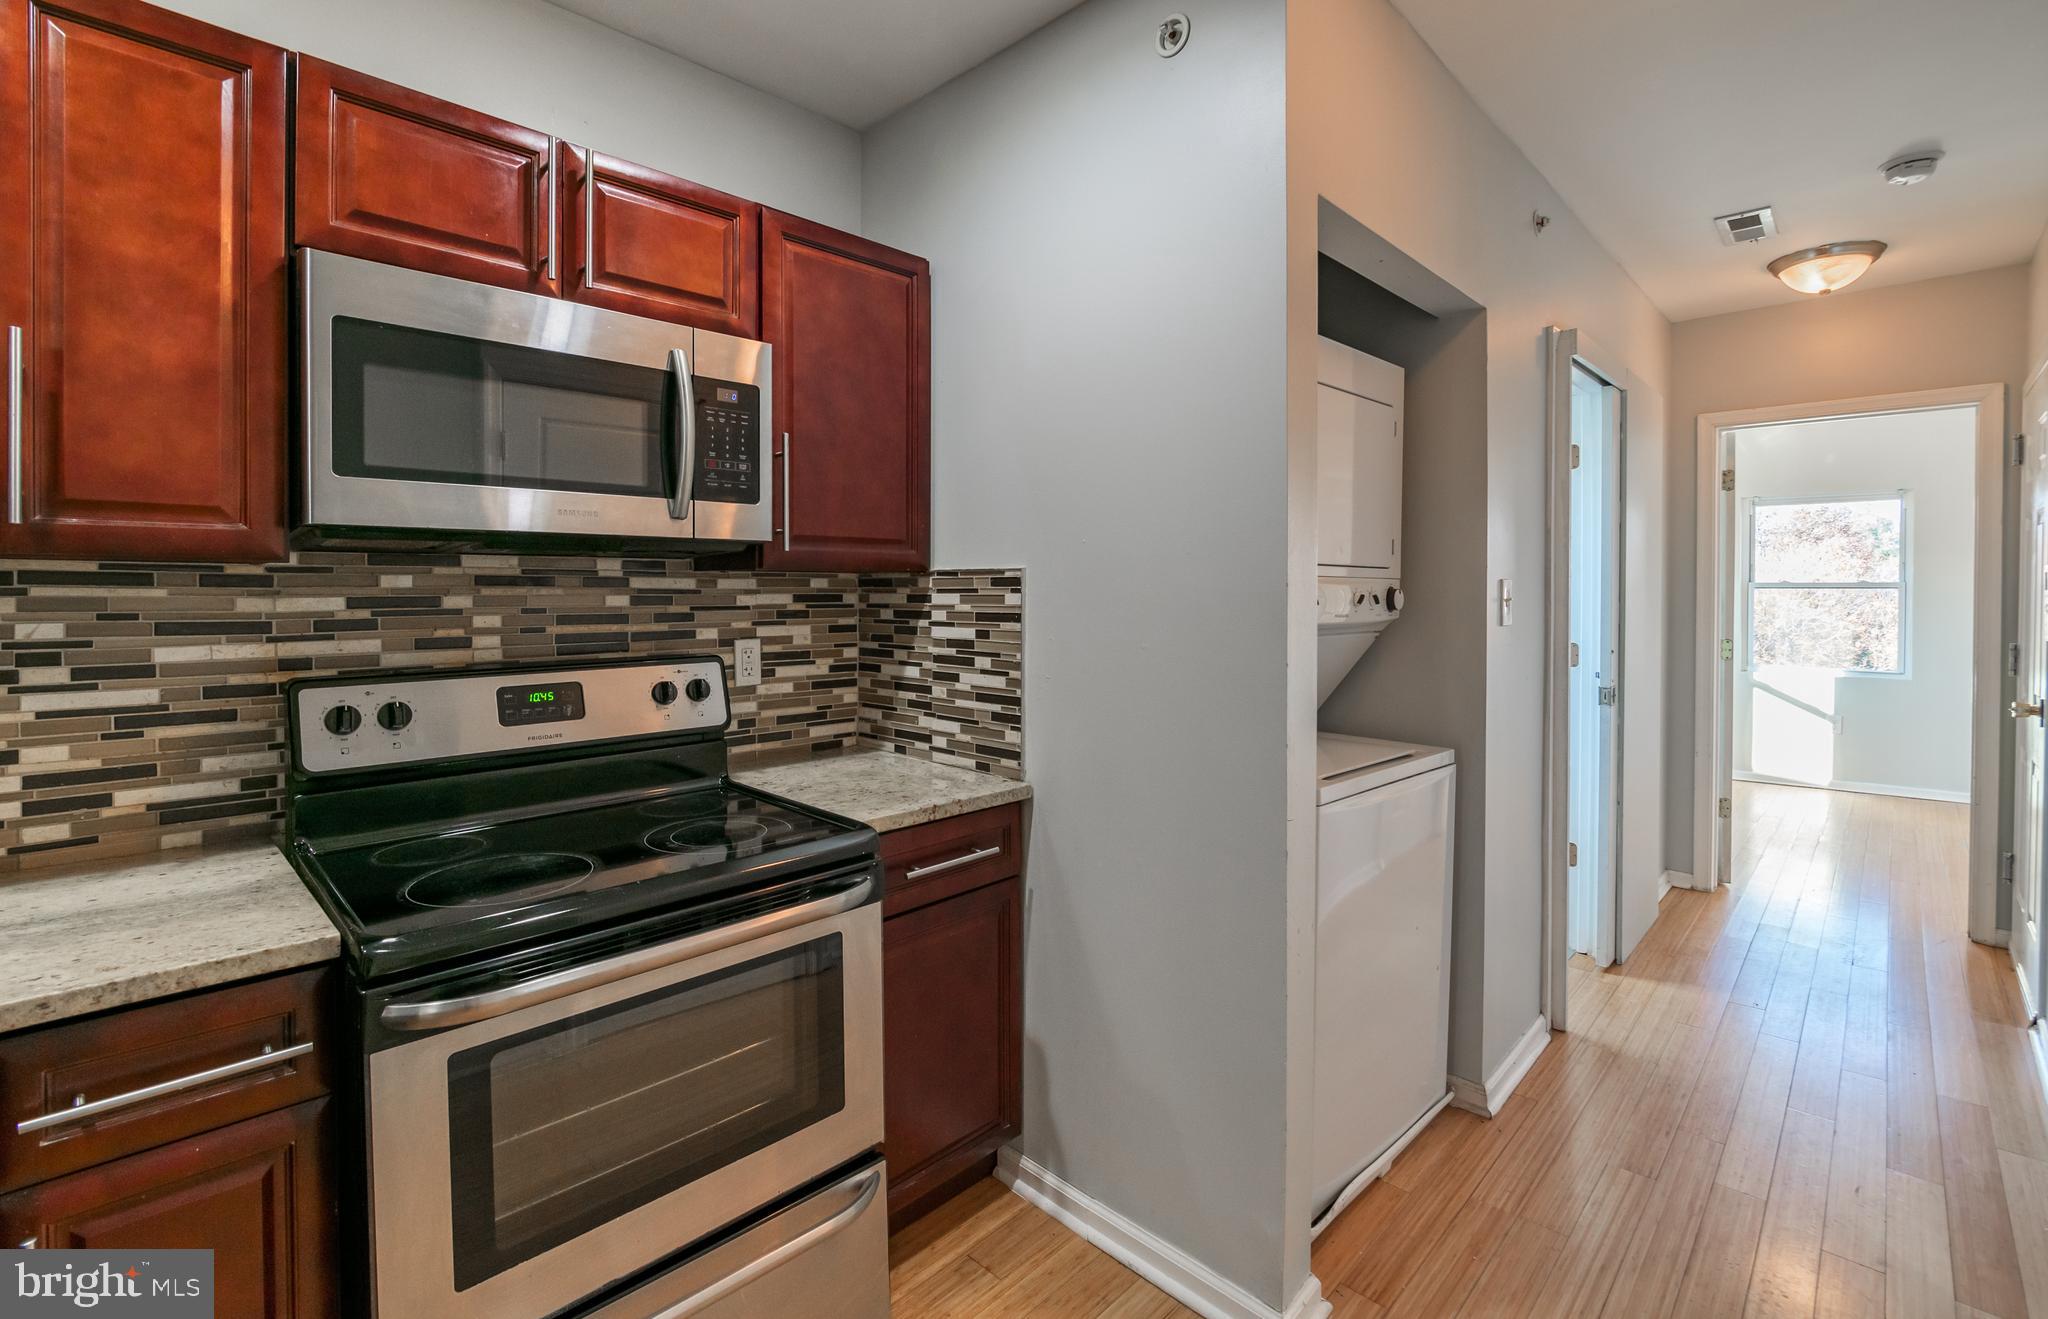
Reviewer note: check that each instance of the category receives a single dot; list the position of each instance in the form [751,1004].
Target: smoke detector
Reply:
[1746,226]
[1909,170]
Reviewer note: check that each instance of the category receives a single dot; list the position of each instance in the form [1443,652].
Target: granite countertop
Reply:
[83,940]
[882,788]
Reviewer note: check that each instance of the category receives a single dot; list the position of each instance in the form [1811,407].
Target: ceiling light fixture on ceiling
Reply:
[1828,267]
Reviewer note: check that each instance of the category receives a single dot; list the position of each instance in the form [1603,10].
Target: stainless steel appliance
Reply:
[437,410]
[621,1017]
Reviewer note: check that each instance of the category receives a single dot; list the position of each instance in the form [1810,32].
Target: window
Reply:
[1827,585]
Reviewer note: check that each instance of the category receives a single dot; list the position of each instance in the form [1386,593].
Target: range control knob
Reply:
[1394,598]
[393,715]
[664,692]
[341,720]
[697,689]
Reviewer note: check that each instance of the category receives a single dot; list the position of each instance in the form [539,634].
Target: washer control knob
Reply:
[1394,598]
[697,689]
[393,715]
[664,692]
[341,720]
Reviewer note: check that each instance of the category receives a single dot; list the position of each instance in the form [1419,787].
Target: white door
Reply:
[2030,782]
[1594,664]
[1358,481]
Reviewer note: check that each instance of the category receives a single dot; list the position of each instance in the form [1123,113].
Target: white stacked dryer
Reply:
[1383,816]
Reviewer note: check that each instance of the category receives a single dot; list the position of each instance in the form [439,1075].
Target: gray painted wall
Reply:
[548,69]
[1108,354]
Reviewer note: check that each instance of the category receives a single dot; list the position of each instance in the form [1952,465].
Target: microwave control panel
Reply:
[728,442]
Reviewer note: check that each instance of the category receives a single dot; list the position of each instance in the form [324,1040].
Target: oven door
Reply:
[524,1159]
[442,408]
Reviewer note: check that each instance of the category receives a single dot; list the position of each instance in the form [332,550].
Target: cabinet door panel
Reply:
[648,243]
[391,175]
[257,1194]
[952,1031]
[850,321]
[154,392]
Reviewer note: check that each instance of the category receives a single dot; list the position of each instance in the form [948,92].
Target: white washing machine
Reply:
[1383,965]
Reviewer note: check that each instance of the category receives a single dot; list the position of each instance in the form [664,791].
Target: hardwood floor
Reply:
[1815,1099]
[989,1252]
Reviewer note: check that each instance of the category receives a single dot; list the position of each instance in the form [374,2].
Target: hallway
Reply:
[1816,1098]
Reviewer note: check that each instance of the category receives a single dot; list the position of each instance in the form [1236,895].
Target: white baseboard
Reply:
[1672,879]
[1848,785]
[2037,1032]
[1164,1265]
[1488,1099]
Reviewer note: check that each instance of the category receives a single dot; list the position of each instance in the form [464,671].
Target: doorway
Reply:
[1849,565]
[1592,663]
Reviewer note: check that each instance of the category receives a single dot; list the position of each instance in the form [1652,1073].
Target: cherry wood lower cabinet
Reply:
[207,1124]
[257,1193]
[953,1005]
[143,285]
[850,322]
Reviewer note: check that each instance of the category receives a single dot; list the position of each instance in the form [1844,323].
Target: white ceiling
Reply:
[856,61]
[1652,118]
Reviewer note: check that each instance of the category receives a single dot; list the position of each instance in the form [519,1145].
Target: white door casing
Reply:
[2030,783]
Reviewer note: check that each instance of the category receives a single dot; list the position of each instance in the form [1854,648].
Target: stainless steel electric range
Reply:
[620,1017]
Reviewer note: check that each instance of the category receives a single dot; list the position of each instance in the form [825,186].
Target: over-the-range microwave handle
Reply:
[685,433]
[461,1010]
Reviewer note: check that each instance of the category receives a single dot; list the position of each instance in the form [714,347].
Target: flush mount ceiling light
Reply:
[1828,267]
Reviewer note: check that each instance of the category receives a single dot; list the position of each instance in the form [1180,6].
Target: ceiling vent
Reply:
[1745,226]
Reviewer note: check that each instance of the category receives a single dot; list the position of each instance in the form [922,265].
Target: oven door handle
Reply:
[868,1182]
[433,1014]
[686,433]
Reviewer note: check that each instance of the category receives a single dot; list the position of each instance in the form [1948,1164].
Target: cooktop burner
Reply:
[431,851]
[494,881]
[735,835]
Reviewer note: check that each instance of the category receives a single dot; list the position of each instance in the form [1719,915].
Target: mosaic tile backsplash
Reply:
[141,704]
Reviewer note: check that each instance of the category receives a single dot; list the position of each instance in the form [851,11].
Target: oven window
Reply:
[559,1129]
[415,405]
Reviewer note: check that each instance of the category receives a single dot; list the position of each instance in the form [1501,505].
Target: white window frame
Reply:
[1904,499]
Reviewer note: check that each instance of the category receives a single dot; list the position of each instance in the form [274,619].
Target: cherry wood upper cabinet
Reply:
[851,324]
[389,174]
[143,285]
[641,241]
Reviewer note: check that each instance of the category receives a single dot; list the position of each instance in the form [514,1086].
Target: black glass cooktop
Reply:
[439,894]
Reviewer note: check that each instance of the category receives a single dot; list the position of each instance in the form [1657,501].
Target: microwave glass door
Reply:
[561,1128]
[416,405]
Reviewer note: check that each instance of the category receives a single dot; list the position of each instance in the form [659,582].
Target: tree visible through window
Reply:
[1827,584]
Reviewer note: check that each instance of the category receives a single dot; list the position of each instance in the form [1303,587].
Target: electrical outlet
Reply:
[746,661]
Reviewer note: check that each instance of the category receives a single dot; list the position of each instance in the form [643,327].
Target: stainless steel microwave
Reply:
[447,412]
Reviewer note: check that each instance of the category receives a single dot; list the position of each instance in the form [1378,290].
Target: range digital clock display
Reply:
[540,703]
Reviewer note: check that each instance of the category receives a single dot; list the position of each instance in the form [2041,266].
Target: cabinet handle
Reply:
[15,366]
[80,1110]
[547,256]
[787,519]
[589,217]
[941,867]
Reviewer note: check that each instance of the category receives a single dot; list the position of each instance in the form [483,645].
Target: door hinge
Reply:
[1727,648]
[2012,659]
[1571,854]
[1724,808]
[1609,694]
[1575,457]
[1575,655]
[1728,478]
[2019,451]
[2005,866]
